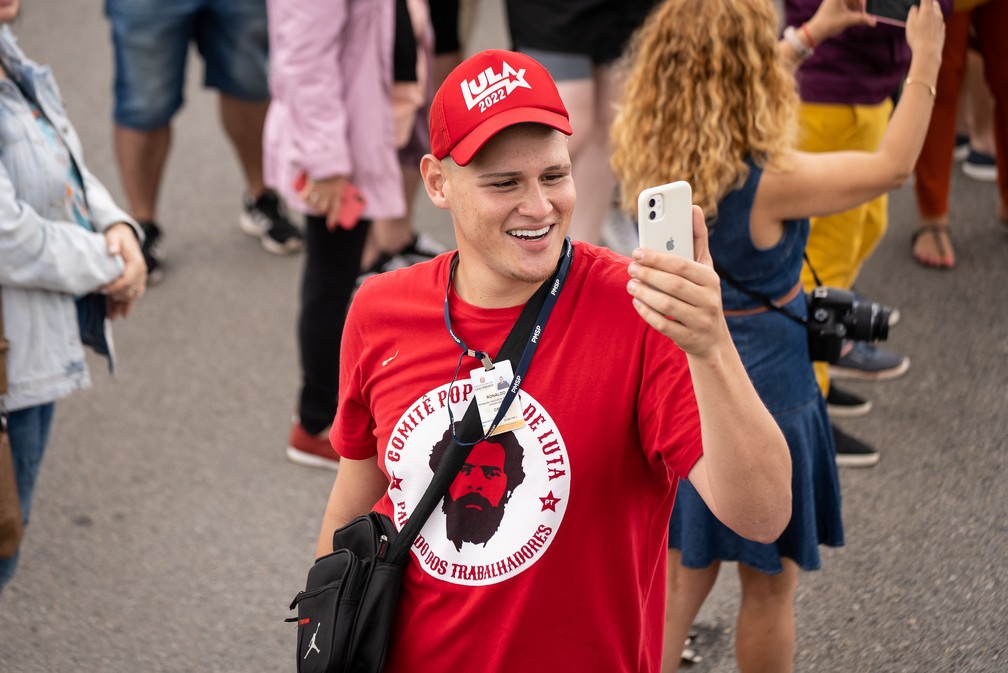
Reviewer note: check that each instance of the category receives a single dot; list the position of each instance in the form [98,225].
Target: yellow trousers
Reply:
[839,244]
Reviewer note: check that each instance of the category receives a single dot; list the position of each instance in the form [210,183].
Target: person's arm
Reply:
[359,485]
[744,475]
[123,237]
[823,183]
[307,40]
[39,253]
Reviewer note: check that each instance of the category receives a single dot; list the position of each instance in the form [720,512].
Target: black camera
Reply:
[835,315]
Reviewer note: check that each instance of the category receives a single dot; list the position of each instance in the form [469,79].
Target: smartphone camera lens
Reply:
[651,215]
[652,204]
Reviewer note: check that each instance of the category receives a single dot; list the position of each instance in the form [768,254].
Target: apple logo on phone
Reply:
[670,245]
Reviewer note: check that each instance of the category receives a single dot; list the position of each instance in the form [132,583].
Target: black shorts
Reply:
[444,16]
[598,29]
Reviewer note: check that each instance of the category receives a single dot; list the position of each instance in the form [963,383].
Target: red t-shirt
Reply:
[557,561]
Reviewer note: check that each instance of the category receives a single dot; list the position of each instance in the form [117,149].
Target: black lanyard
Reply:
[556,281]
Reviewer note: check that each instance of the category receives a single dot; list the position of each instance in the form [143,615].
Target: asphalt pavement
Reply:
[170,533]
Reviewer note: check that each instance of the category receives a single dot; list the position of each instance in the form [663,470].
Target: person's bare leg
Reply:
[243,122]
[579,97]
[141,157]
[594,182]
[392,235]
[765,632]
[933,246]
[593,177]
[443,65]
[981,106]
[687,589]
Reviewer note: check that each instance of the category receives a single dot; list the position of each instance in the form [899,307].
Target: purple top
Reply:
[861,66]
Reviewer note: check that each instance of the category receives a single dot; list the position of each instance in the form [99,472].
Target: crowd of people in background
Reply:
[791,121]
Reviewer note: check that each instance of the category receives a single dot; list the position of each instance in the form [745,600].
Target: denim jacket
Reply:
[46,261]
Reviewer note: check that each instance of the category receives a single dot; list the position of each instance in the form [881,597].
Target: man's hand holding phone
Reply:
[681,297]
[336,197]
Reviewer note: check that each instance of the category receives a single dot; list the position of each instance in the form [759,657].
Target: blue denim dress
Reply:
[774,351]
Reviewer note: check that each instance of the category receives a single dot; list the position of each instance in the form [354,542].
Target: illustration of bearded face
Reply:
[475,501]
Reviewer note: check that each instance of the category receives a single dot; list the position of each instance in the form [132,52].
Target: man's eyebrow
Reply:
[499,175]
[513,174]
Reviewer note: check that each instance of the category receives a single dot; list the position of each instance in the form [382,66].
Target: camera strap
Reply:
[762,298]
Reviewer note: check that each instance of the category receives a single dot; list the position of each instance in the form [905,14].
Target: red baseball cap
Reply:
[485,94]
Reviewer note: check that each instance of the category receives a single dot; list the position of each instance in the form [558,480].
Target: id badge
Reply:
[490,386]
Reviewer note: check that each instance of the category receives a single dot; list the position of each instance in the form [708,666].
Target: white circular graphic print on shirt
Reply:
[503,508]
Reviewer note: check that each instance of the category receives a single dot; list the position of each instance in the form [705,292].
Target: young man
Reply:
[619,403]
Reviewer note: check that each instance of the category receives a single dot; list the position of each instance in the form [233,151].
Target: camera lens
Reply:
[651,203]
[869,321]
[651,215]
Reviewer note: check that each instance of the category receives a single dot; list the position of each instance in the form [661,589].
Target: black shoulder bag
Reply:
[346,611]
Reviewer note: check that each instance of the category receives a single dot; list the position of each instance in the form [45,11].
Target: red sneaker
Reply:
[311,450]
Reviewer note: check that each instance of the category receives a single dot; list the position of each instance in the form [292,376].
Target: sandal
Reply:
[940,233]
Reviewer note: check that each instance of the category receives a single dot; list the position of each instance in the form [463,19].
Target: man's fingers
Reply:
[658,301]
[681,278]
[701,247]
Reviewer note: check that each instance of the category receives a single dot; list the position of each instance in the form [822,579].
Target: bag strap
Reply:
[471,426]
[762,298]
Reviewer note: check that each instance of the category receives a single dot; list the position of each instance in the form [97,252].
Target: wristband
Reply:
[808,36]
[791,37]
[931,89]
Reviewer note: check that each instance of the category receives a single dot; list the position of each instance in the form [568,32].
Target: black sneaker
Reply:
[264,218]
[842,404]
[980,166]
[152,236]
[420,249]
[851,452]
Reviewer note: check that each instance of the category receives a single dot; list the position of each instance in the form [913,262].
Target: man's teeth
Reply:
[529,233]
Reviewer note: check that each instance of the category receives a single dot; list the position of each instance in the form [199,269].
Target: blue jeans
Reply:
[152,38]
[29,433]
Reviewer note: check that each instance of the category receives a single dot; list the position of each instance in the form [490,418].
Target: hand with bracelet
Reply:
[925,33]
[832,17]
[128,287]
[323,197]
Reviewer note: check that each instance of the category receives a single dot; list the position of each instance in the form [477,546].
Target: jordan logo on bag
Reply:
[313,645]
[489,87]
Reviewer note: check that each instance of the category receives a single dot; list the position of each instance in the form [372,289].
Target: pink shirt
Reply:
[331,109]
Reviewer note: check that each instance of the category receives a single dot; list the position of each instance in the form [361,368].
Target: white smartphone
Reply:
[665,218]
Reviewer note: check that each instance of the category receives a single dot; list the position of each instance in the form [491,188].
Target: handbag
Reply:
[346,611]
[11,522]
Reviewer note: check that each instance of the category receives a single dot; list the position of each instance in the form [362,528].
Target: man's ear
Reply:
[434,174]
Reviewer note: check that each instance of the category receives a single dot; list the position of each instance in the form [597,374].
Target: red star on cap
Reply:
[395,483]
[549,502]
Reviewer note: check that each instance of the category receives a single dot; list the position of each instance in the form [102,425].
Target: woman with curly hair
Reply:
[710,99]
